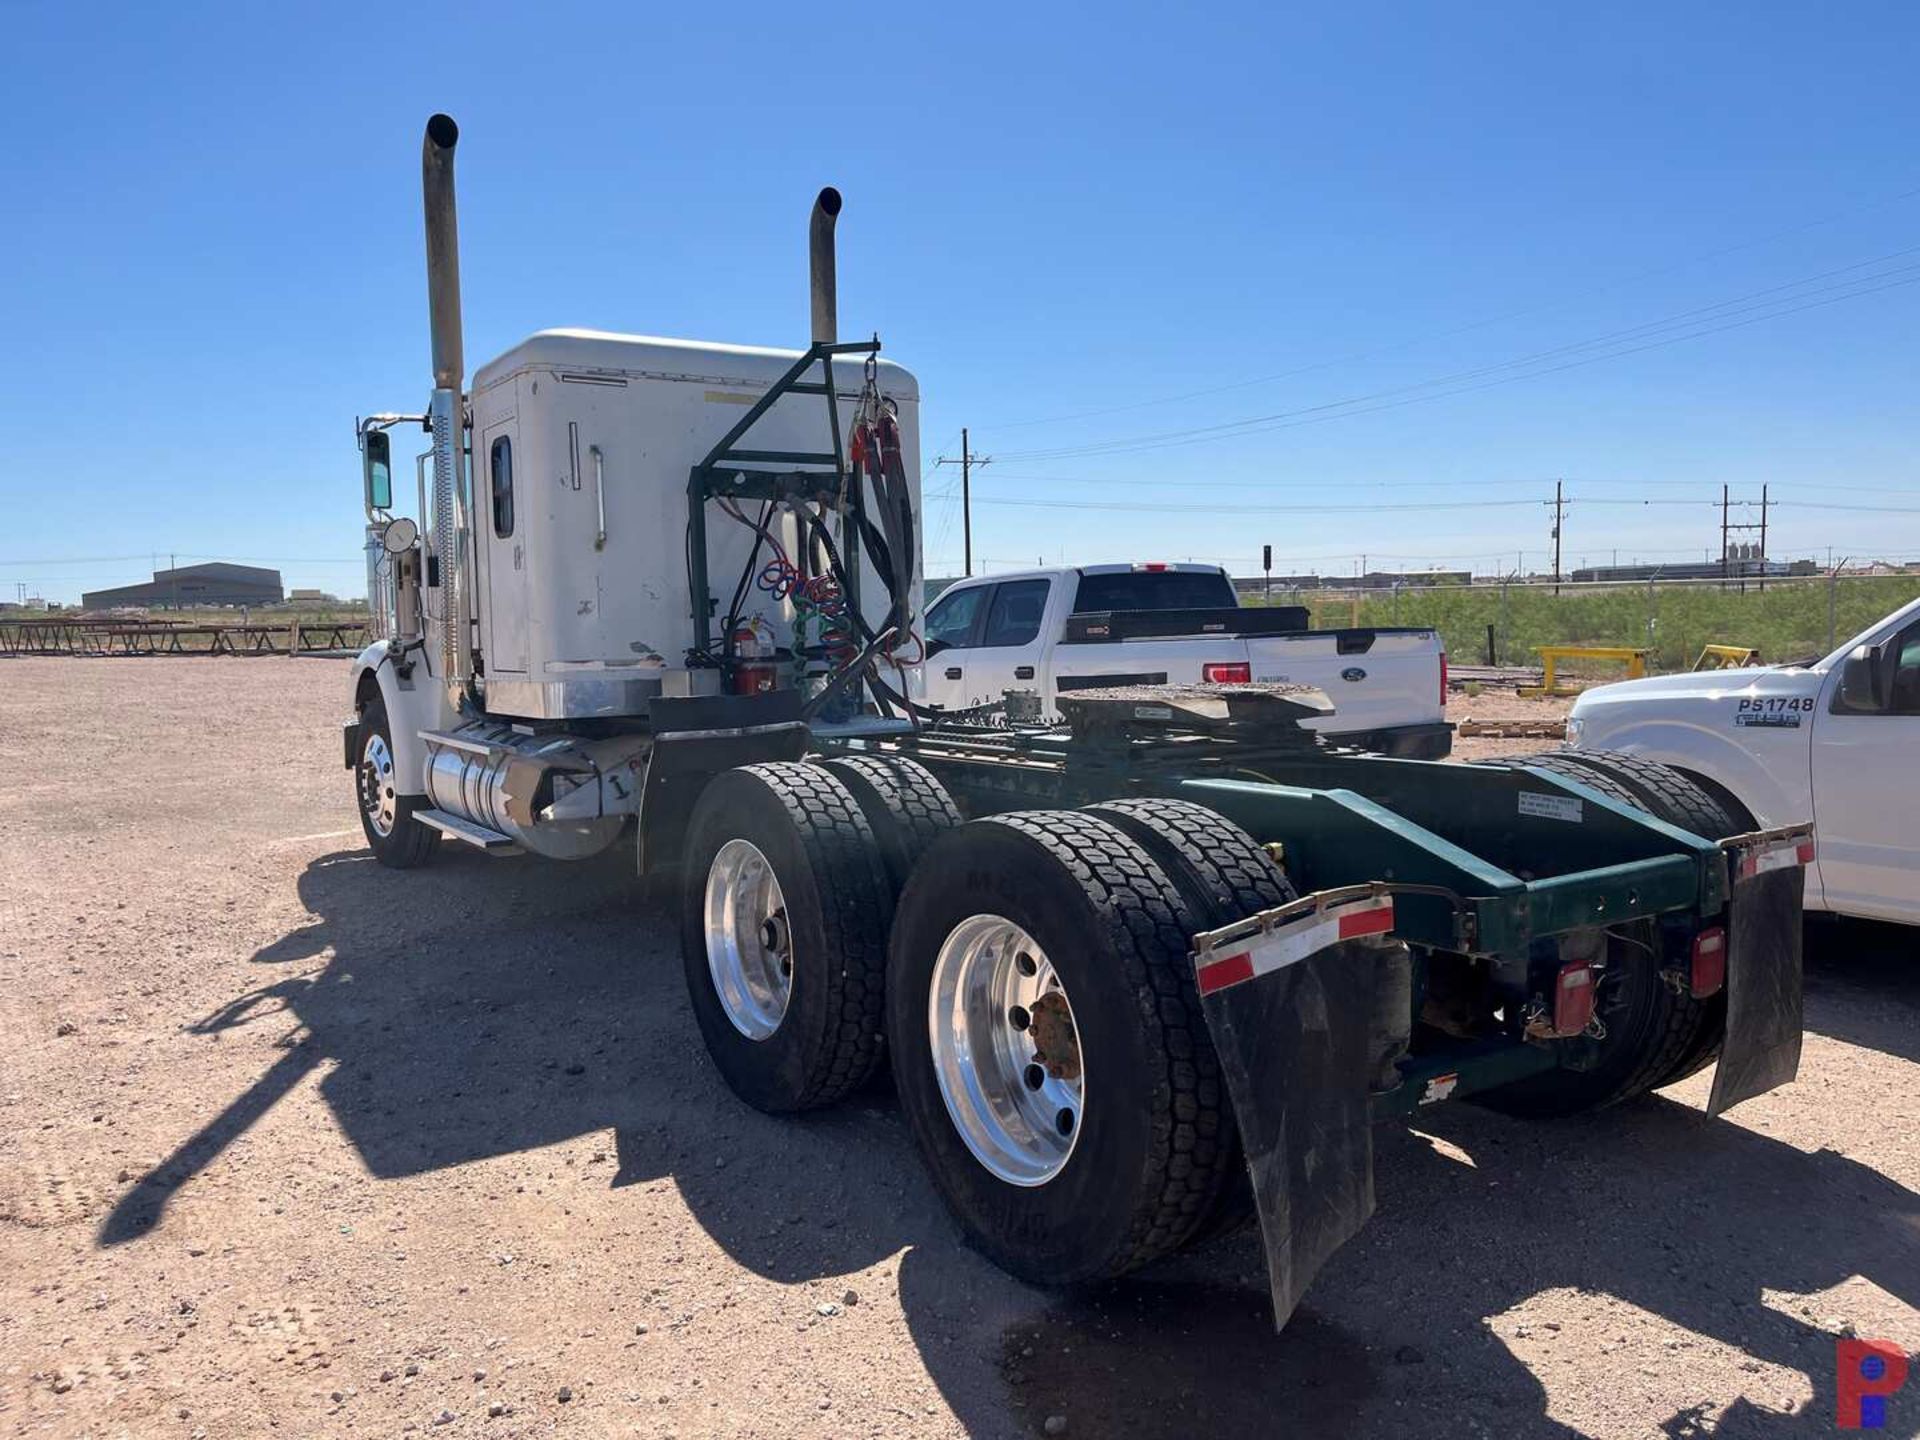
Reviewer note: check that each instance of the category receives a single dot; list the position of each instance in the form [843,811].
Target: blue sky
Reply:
[1122,223]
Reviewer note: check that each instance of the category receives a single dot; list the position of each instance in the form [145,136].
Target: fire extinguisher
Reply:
[754,670]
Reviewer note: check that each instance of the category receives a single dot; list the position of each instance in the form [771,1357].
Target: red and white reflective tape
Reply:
[1778,856]
[1297,940]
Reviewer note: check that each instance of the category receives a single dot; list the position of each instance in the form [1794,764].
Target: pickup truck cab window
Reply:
[954,617]
[1906,674]
[1153,590]
[1854,695]
[1015,615]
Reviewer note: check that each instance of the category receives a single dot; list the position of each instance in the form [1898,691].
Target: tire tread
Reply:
[1151,924]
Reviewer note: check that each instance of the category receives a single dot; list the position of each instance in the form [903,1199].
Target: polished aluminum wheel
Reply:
[378,798]
[749,943]
[1006,1050]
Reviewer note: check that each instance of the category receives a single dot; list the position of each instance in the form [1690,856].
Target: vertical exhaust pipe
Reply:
[446,409]
[820,265]
[443,251]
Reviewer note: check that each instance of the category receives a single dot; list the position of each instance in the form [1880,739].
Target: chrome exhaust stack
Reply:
[820,266]
[445,413]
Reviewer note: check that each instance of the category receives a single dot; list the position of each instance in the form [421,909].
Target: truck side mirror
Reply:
[1866,680]
[376,464]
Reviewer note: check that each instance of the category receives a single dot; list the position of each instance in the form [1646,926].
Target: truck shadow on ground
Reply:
[483,1009]
[1863,984]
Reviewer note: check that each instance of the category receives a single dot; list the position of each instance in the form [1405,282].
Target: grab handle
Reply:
[599,494]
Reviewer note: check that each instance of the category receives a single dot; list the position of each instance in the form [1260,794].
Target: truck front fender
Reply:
[413,703]
[1773,798]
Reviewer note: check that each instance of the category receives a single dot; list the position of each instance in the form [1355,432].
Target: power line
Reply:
[1472,326]
[1185,483]
[1174,508]
[1185,507]
[1527,365]
[189,555]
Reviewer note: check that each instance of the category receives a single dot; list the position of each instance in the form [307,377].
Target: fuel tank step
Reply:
[476,835]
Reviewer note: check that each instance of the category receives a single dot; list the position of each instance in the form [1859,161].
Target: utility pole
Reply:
[1723,534]
[1266,564]
[1727,527]
[966,463]
[1559,508]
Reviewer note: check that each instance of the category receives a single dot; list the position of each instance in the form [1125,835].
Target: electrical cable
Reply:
[1358,405]
[1481,324]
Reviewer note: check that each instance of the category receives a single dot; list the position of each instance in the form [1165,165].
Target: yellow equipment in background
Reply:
[1635,658]
[1726,657]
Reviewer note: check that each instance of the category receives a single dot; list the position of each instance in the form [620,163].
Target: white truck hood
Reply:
[1701,685]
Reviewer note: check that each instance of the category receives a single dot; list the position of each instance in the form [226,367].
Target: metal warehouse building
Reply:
[189,585]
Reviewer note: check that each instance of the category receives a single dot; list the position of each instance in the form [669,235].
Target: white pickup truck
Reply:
[1054,631]
[1835,741]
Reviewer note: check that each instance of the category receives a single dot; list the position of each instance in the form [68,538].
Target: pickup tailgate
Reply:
[1375,678]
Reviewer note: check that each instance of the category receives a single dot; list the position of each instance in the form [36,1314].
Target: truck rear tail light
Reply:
[1152,567]
[1443,679]
[1709,970]
[1228,672]
[1573,999]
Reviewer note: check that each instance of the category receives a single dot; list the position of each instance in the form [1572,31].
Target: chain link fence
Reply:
[1500,622]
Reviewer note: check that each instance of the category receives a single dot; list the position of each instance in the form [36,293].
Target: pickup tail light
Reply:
[1709,968]
[1443,679]
[1227,672]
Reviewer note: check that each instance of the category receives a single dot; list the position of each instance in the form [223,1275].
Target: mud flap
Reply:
[1288,996]
[1764,1009]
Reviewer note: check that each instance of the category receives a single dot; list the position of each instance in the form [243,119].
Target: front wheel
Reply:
[386,816]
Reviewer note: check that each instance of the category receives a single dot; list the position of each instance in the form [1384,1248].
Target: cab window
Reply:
[1906,675]
[950,622]
[1014,617]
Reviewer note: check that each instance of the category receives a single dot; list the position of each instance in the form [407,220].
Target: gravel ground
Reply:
[1503,707]
[292,1144]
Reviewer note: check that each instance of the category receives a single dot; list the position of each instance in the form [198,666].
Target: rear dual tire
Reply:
[1152,1149]
[1105,1139]
[783,935]
[1657,1033]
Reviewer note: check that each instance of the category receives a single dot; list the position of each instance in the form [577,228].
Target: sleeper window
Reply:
[502,463]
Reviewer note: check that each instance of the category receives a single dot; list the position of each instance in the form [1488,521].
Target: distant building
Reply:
[312,597]
[1730,569]
[1372,580]
[193,585]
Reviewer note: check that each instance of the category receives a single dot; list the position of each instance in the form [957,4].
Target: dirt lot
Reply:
[292,1144]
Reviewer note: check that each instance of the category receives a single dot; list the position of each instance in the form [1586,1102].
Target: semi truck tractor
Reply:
[1147,962]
